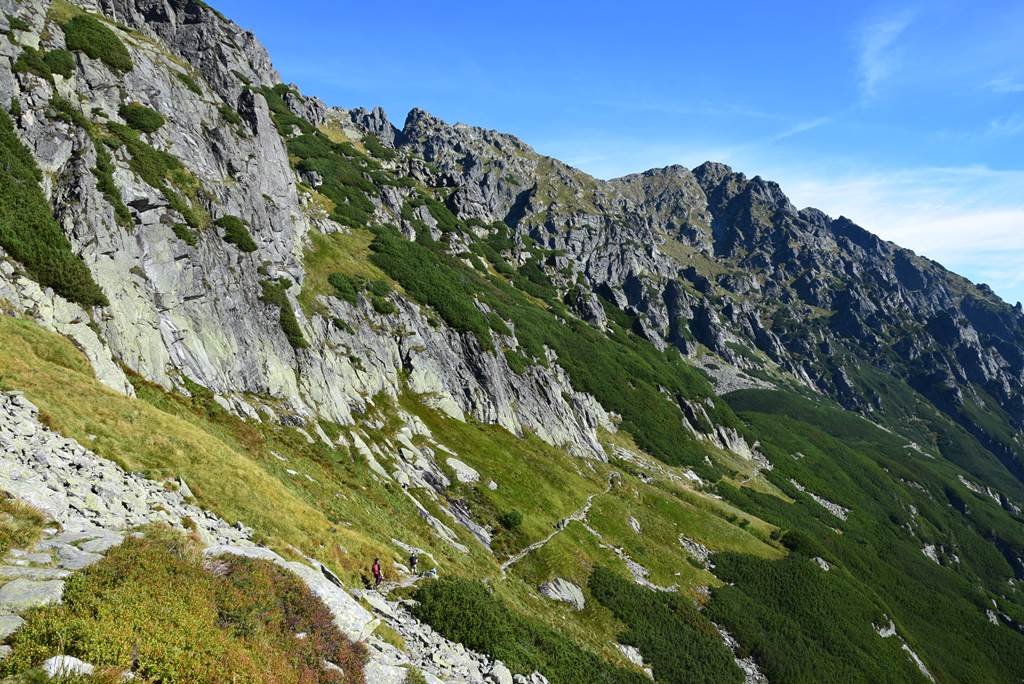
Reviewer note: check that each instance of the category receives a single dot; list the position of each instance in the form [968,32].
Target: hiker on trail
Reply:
[378,576]
[414,559]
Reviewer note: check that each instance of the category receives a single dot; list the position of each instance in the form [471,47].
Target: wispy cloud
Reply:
[970,218]
[1005,85]
[1006,126]
[797,129]
[877,50]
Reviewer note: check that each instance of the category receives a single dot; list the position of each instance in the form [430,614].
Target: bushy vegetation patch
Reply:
[85,33]
[464,611]
[349,177]
[348,288]
[104,169]
[376,148]
[275,293]
[152,608]
[237,233]
[185,234]
[678,642]
[28,231]
[802,623]
[45,63]
[229,114]
[17,23]
[141,118]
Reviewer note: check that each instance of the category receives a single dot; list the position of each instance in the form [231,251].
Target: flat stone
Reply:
[21,594]
[66,666]
[20,557]
[463,472]
[102,544]
[9,624]
[27,572]
[72,558]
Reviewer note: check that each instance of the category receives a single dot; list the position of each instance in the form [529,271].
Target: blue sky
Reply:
[906,117]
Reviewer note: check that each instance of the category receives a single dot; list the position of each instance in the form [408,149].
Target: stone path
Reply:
[579,515]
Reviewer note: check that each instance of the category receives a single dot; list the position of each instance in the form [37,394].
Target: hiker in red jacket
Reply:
[378,576]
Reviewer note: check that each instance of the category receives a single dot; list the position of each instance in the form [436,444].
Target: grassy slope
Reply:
[344,516]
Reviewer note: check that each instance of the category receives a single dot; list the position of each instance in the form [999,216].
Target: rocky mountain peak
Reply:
[228,56]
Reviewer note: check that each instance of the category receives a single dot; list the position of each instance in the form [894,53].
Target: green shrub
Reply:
[345,287]
[510,520]
[383,305]
[45,64]
[375,148]
[185,234]
[28,231]
[229,114]
[189,82]
[679,643]
[17,23]
[31,61]
[150,607]
[104,172]
[465,612]
[85,33]
[236,232]
[60,62]
[141,117]
[274,292]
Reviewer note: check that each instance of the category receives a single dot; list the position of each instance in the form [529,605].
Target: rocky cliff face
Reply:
[195,312]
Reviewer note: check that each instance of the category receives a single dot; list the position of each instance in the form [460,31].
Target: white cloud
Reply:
[877,54]
[1005,85]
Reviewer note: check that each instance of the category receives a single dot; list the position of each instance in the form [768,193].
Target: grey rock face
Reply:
[565,591]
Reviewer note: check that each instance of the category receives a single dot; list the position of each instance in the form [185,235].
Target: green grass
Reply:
[28,231]
[88,34]
[20,524]
[237,233]
[344,254]
[152,608]
[141,118]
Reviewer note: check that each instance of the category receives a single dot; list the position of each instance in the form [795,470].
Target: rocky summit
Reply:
[289,393]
